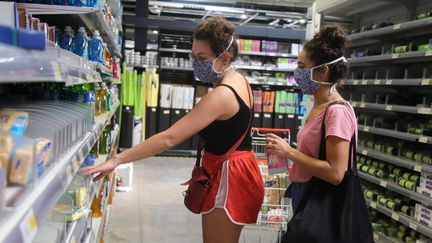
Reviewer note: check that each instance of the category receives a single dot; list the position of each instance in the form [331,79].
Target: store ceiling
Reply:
[276,13]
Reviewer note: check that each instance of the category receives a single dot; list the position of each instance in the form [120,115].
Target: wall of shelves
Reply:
[378,27]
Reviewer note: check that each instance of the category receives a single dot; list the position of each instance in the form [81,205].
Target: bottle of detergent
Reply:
[67,39]
[80,45]
[96,48]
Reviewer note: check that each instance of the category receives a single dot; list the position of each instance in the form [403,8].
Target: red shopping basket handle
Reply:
[272,130]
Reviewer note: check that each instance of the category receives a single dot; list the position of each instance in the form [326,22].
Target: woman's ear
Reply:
[321,73]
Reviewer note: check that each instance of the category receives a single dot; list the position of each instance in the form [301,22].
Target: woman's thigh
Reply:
[217,228]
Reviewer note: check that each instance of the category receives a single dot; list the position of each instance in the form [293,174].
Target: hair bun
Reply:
[332,36]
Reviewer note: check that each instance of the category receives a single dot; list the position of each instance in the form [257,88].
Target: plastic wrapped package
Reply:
[78,192]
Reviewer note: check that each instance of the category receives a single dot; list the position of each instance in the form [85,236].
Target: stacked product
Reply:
[136,59]
[176,62]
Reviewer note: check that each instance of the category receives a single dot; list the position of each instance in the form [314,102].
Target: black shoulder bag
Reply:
[329,213]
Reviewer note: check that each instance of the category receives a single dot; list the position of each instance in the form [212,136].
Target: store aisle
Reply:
[153,211]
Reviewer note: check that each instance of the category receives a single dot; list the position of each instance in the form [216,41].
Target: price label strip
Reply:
[383,183]
[396,26]
[373,205]
[364,152]
[28,227]
[364,82]
[395,56]
[389,107]
[417,168]
[428,53]
[425,82]
[413,225]
[366,129]
[355,82]
[377,81]
[395,216]
[423,139]
[362,105]
[389,82]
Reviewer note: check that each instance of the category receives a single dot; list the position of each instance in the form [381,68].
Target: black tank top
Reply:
[221,135]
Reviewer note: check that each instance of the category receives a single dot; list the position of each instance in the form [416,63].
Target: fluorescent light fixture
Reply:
[243,16]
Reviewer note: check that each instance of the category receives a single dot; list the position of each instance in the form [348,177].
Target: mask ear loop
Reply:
[214,61]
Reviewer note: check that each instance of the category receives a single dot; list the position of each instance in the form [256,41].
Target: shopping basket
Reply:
[276,209]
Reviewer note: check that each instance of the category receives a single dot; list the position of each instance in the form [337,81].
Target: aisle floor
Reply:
[153,212]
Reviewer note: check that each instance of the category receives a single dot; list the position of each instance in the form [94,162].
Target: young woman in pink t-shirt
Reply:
[321,68]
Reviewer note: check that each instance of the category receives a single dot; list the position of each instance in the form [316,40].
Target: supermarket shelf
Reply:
[77,229]
[275,69]
[401,218]
[396,188]
[349,7]
[397,108]
[142,66]
[396,134]
[397,31]
[177,68]
[174,50]
[414,56]
[42,197]
[396,160]
[92,18]
[381,238]
[392,82]
[272,84]
[53,64]
[267,54]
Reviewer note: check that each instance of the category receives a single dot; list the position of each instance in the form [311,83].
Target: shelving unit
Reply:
[381,238]
[390,82]
[39,200]
[91,18]
[396,134]
[406,73]
[401,218]
[393,186]
[396,160]
[53,64]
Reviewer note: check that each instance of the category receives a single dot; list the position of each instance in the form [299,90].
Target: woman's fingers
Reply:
[98,177]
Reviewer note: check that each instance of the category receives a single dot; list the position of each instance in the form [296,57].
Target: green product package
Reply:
[277,101]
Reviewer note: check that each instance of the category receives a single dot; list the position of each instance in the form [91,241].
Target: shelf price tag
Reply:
[389,107]
[383,183]
[426,82]
[377,81]
[364,152]
[395,216]
[366,129]
[354,104]
[424,111]
[413,225]
[284,55]
[428,53]
[271,54]
[356,82]
[28,227]
[396,26]
[362,105]
[389,82]
[417,168]
[373,205]
[364,82]
[395,56]
[423,139]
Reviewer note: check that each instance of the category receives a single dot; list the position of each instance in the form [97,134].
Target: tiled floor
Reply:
[153,212]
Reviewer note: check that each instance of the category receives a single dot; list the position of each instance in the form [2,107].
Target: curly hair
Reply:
[218,32]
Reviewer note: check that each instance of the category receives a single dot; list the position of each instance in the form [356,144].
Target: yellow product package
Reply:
[42,152]
[21,170]
[13,121]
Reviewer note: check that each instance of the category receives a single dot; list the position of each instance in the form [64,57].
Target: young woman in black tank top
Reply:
[220,118]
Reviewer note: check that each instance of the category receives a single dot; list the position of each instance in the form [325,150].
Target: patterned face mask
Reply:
[205,70]
[305,81]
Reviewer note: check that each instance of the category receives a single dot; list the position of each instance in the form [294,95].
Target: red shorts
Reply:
[237,188]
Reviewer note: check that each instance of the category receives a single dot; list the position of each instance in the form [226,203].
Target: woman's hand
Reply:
[103,169]
[277,146]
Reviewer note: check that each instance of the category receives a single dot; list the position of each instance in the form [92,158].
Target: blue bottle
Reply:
[96,48]
[80,3]
[80,44]
[67,39]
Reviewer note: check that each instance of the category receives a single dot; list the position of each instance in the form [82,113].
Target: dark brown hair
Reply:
[218,32]
[327,45]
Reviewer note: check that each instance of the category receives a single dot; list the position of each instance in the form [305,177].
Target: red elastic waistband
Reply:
[236,154]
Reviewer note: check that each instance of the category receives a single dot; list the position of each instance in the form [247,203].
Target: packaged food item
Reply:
[22,166]
[42,151]
[13,121]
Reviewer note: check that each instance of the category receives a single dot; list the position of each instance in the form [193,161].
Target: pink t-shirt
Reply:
[340,122]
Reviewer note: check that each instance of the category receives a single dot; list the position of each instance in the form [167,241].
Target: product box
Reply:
[424,191]
[419,208]
[9,15]
[427,183]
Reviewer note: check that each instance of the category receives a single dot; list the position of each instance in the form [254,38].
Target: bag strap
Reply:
[352,163]
[237,144]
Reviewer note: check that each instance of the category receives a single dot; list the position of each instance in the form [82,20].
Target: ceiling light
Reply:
[243,16]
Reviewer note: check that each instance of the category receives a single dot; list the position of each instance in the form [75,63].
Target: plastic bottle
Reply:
[67,39]
[80,3]
[107,56]
[97,103]
[80,45]
[104,99]
[96,48]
